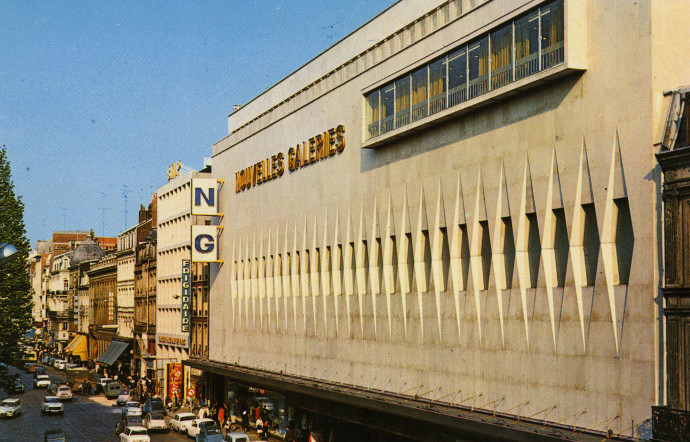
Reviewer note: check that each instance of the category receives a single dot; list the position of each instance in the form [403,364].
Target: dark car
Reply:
[153,404]
[16,386]
[39,370]
[54,435]
[128,421]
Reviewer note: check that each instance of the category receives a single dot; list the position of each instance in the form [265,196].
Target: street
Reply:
[86,418]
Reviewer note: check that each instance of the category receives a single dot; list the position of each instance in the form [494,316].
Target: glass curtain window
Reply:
[419,93]
[457,77]
[437,85]
[478,67]
[552,34]
[387,107]
[373,113]
[402,101]
[501,56]
[527,45]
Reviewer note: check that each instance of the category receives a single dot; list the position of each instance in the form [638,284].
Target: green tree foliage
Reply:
[15,289]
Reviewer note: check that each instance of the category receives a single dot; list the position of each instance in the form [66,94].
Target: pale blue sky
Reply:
[99,95]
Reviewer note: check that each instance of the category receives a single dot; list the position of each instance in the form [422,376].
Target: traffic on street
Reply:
[40,414]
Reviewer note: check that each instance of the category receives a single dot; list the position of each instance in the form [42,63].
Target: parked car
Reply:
[52,404]
[122,397]
[196,425]
[29,367]
[10,408]
[16,386]
[39,370]
[54,435]
[60,364]
[128,421]
[181,422]
[155,421]
[42,381]
[209,433]
[153,404]
[237,436]
[64,392]
[70,365]
[134,434]
[112,390]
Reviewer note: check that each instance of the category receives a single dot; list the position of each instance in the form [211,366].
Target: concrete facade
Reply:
[503,253]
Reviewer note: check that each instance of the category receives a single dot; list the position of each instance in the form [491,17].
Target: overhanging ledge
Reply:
[472,423]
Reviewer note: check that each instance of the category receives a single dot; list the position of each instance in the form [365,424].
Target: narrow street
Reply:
[86,418]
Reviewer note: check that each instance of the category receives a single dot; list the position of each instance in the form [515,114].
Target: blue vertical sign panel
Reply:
[186,294]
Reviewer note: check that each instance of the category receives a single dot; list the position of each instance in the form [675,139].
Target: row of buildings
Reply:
[114,303]
[468,219]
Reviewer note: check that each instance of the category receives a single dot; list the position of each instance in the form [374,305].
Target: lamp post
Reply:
[7,252]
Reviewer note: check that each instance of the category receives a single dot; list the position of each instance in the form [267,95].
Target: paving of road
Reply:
[86,418]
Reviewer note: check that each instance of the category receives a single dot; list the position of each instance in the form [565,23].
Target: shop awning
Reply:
[78,347]
[113,352]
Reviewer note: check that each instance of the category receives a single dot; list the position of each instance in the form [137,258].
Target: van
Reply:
[112,390]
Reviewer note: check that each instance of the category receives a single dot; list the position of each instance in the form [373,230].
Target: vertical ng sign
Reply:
[186,294]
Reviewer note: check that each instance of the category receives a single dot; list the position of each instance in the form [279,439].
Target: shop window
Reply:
[515,50]
[478,67]
[501,56]
[387,108]
[552,34]
[402,101]
[437,86]
[457,77]
[419,93]
[373,113]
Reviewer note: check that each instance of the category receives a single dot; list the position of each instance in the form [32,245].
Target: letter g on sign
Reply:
[204,243]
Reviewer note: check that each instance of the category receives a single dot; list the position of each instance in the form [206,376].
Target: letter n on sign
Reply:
[204,243]
[204,196]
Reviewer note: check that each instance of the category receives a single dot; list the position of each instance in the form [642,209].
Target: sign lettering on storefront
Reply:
[173,340]
[317,148]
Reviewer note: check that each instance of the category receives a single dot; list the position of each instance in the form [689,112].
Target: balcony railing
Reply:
[552,56]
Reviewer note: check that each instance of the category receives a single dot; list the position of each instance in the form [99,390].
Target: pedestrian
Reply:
[260,428]
[221,414]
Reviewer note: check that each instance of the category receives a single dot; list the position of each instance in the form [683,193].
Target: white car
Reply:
[64,392]
[60,364]
[237,436]
[196,425]
[135,434]
[52,404]
[105,381]
[42,381]
[123,398]
[182,421]
[10,408]
[155,421]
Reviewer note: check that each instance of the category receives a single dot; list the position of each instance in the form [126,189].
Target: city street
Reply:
[86,419]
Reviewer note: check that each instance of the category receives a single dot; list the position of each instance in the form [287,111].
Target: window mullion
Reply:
[539,37]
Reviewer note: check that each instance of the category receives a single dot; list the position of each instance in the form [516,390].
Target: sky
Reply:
[98,98]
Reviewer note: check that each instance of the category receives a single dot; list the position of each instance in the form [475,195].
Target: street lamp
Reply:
[7,252]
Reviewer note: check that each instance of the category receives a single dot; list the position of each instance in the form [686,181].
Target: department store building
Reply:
[453,217]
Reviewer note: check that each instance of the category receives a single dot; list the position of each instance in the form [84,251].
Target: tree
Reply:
[15,289]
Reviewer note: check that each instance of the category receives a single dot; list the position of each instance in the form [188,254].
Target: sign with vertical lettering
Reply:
[186,294]
[204,196]
[204,243]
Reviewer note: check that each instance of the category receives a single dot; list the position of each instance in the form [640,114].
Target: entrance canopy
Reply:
[113,352]
[78,347]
